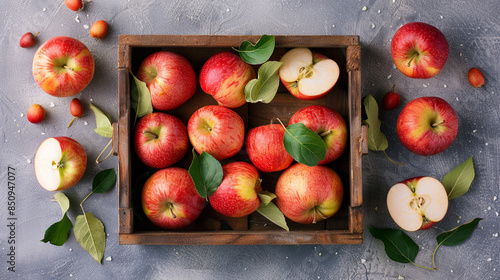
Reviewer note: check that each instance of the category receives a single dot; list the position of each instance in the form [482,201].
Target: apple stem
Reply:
[154,135]
[67,67]
[438,123]
[391,160]
[328,132]
[97,159]
[171,207]
[412,58]
[36,34]
[393,88]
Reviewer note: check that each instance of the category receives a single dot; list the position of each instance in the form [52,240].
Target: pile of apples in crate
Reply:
[173,197]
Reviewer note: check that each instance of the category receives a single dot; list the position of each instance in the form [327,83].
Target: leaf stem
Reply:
[97,159]
[81,203]
[424,267]
[391,160]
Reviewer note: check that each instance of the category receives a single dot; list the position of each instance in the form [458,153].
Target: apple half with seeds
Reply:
[307,74]
[417,203]
[59,163]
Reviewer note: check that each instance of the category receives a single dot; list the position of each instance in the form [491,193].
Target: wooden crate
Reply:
[346,227]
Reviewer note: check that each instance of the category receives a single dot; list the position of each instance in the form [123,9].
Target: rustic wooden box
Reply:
[346,227]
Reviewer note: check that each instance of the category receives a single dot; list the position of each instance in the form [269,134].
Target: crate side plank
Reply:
[241,238]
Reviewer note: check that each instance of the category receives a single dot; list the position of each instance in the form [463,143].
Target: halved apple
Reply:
[417,203]
[59,163]
[307,74]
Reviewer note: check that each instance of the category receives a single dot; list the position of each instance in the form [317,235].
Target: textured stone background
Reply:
[473,32]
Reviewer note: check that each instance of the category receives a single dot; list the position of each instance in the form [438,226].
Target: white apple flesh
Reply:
[59,163]
[306,74]
[417,203]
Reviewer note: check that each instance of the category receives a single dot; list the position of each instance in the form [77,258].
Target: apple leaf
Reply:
[141,98]
[57,233]
[266,197]
[398,245]
[304,145]
[103,123]
[206,173]
[89,232]
[458,181]
[264,88]
[377,141]
[457,235]
[258,53]
[63,201]
[104,181]
[273,214]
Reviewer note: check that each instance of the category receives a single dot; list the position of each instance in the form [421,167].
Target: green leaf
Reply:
[103,123]
[458,181]
[141,98]
[89,232]
[104,181]
[398,245]
[57,233]
[304,145]
[377,141]
[273,214]
[258,53]
[264,88]
[206,173]
[63,201]
[457,235]
[266,197]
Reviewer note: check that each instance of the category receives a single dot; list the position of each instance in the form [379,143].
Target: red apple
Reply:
[170,200]
[307,74]
[329,124]
[476,77]
[427,125]
[59,163]
[160,140]
[237,195]
[170,79]
[309,194]
[224,76]
[36,113]
[99,29]
[264,145]
[419,50]
[216,130]
[391,100]
[28,40]
[63,66]
[417,203]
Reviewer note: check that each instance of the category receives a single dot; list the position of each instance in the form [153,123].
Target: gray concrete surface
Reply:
[473,32]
